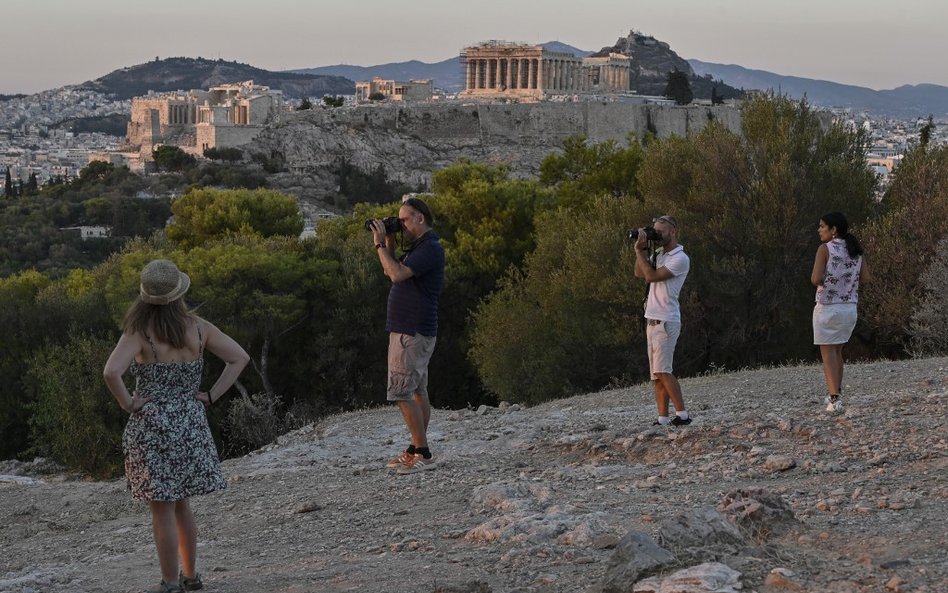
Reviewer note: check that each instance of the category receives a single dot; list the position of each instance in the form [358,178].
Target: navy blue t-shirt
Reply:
[413,303]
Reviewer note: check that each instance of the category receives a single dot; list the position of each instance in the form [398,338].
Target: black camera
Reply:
[650,233]
[392,225]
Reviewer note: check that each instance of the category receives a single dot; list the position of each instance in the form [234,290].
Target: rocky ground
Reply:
[763,492]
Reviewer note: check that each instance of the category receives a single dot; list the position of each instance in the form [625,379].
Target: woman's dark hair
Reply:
[169,323]
[420,206]
[836,220]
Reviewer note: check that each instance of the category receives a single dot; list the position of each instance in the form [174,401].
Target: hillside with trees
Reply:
[181,73]
[539,302]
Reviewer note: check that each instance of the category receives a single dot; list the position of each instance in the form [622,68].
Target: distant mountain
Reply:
[173,74]
[447,74]
[905,101]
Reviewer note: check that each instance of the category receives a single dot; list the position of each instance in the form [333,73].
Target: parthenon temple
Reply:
[516,70]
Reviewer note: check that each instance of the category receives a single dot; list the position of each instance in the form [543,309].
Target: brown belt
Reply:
[654,321]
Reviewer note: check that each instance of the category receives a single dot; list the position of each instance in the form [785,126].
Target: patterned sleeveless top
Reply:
[841,280]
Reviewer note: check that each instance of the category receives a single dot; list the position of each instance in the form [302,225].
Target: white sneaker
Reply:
[834,404]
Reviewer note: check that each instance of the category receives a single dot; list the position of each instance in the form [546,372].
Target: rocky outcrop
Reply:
[652,60]
[410,142]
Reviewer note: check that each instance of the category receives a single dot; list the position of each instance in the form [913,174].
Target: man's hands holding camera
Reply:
[641,240]
[378,232]
[382,229]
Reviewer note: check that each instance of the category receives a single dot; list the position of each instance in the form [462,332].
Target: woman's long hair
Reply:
[836,220]
[168,323]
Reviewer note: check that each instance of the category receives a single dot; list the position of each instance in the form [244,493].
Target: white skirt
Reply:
[833,324]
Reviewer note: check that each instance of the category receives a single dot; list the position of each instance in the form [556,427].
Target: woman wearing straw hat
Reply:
[169,451]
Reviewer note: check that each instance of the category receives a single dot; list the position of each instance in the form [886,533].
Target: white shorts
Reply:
[661,339]
[833,324]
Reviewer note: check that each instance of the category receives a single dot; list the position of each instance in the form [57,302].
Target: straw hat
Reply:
[162,282]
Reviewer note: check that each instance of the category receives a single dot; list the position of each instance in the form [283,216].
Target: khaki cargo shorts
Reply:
[408,358]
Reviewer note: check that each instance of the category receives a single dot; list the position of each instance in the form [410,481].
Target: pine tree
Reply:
[678,87]
[8,185]
[925,134]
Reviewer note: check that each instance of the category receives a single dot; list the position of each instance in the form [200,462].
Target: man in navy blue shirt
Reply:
[412,322]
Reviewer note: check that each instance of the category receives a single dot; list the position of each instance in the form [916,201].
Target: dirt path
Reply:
[536,500]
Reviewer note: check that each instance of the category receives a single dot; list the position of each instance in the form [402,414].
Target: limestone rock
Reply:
[702,534]
[758,511]
[636,556]
[782,580]
[710,577]
[408,142]
[779,463]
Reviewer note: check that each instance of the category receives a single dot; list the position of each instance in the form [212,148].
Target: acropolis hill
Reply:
[410,141]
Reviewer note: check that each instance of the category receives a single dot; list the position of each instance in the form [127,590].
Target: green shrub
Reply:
[75,420]
[255,420]
[929,325]
[223,154]
[570,323]
[901,245]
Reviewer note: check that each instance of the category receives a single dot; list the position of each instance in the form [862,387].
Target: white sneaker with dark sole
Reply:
[834,405]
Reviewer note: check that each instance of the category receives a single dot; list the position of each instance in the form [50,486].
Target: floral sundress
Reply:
[169,451]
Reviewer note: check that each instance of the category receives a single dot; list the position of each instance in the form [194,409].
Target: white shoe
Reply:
[834,405]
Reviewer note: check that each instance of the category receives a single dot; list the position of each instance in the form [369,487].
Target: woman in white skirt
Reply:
[839,268]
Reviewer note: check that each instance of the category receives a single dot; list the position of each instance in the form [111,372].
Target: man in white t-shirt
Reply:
[665,276]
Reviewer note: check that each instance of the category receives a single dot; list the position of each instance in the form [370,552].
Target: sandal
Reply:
[164,587]
[190,584]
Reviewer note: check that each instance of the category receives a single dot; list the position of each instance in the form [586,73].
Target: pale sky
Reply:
[875,43]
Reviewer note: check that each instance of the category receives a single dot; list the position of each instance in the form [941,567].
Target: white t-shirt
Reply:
[663,296]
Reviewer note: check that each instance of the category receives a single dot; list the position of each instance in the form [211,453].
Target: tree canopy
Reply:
[679,87]
[171,158]
[206,214]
